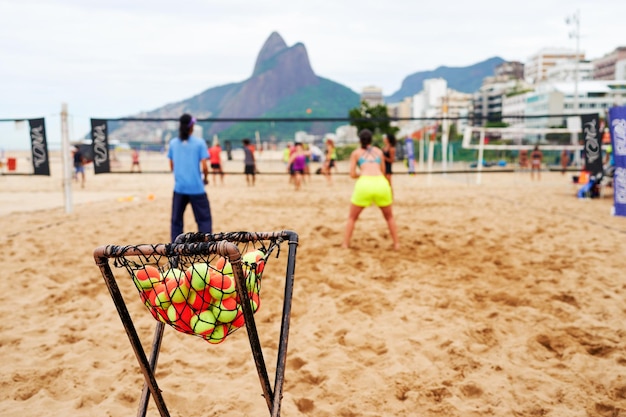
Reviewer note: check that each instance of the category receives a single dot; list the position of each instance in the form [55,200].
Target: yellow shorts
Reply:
[372,189]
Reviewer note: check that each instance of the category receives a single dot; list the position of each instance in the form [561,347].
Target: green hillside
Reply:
[326,99]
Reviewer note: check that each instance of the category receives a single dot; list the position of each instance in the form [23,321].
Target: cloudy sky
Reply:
[116,58]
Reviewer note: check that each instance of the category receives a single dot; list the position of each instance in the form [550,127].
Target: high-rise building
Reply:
[372,95]
[537,66]
[566,71]
[605,68]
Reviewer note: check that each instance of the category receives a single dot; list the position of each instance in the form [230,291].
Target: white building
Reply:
[514,111]
[372,95]
[346,134]
[620,70]
[594,96]
[537,66]
[565,70]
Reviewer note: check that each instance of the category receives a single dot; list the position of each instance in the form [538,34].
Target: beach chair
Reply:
[216,259]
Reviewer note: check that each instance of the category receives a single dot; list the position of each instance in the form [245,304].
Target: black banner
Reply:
[591,134]
[39,146]
[100,145]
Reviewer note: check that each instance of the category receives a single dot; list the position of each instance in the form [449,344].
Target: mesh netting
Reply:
[193,285]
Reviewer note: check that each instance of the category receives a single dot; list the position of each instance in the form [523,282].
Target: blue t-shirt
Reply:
[186,156]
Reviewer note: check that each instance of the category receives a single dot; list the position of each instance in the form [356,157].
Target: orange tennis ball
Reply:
[218,335]
[226,311]
[199,275]
[146,277]
[255,301]
[179,315]
[203,323]
[177,285]
[239,319]
[160,296]
[199,300]
[223,266]
[222,286]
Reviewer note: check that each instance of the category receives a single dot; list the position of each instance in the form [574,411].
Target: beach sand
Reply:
[506,299]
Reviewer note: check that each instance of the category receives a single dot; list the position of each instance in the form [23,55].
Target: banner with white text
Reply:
[617,122]
[39,146]
[591,137]
[100,143]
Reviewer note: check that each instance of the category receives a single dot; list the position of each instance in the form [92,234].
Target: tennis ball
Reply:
[203,323]
[253,282]
[254,257]
[218,335]
[255,301]
[160,296]
[177,285]
[199,300]
[222,286]
[226,311]
[146,277]
[199,273]
[179,315]
[239,319]
[223,266]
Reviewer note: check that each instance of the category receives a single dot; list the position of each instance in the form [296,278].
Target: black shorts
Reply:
[216,166]
[249,169]
[331,163]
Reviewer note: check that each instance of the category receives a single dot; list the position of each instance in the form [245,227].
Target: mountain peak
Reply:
[272,46]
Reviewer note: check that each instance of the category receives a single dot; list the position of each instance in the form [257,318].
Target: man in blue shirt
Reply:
[188,154]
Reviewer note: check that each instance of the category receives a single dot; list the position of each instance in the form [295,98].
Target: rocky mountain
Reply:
[282,85]
[463,79]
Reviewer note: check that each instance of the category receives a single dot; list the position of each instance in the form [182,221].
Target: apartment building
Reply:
[537,66]
[605,68]
[487,101]
[594,96]
[372,95]
[566,71]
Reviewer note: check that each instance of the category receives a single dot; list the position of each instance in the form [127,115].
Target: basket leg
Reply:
[116,295]
[284,328]
[253,336]
[154,356]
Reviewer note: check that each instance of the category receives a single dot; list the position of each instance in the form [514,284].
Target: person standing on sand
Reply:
[188,156]
[298,162]
[389,151]
[135,157]
[536,158]
[329,158]
[215,156]
[371,187]
[79,166]
[564,160]
[249,162]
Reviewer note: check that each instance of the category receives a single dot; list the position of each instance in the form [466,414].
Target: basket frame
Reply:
[223,244]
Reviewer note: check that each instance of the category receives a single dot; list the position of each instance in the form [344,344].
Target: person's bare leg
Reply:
[355,211]
[391,223]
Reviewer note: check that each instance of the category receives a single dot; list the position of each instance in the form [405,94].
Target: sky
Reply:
[116,58]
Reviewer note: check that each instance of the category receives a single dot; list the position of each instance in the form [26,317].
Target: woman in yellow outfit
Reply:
[371,187]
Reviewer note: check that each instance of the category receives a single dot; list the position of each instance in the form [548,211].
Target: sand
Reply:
[506,299]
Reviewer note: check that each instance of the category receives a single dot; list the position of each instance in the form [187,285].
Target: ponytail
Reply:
[186,126]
